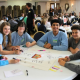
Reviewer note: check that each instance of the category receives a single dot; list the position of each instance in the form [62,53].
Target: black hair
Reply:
[21,24]
[55,21]
[28,4]
[77,27]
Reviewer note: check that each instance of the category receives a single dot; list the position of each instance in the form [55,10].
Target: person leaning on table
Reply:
[5,40]
[71,66]
[55,39]
[4,61]
[74,41]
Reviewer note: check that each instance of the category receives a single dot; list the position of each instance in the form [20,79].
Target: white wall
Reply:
[43,7]
[15,2]
[75,7]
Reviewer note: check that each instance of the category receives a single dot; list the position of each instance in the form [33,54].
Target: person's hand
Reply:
[33,24]
[48,45]
[13,61]
[28,44]
[61,62]
[15,47]
[67,58]
[17,52]
[4,57]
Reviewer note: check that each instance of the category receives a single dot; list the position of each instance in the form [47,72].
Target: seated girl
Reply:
[5,40]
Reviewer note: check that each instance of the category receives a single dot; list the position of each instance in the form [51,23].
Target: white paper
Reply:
[13,73]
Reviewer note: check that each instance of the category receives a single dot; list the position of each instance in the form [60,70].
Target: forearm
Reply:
[73,51]
[75,56]
[3,52]
[62,48]
[33,43]
[73,67]
[41,44]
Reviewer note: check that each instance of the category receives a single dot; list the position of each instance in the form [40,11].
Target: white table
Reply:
[36,74]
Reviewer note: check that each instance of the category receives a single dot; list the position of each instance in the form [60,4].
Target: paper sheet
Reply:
[13,73]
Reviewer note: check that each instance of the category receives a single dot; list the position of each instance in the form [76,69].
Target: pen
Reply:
[20,50]
[16,59]
[27,72]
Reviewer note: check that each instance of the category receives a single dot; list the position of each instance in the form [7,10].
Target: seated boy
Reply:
[55,39]
[74,41]
[72,67]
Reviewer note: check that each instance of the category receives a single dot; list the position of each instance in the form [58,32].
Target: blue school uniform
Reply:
[3,62]
[1,40]
[20,40]
[59,42]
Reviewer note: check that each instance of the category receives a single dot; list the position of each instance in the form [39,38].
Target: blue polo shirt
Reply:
[1,40]
[20,40]
[59,42]
[3,62]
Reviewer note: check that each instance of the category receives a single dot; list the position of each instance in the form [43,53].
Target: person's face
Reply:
[55,27]
[26,6]
[76,34]
[6,30]
[21,29]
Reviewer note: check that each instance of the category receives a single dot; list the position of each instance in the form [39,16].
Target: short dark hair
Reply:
[55,21]
[75,27]
[21,24]
[28,4]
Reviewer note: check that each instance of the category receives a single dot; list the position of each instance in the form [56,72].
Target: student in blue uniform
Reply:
[4,61]
[5,40]
[55,39]
[21,37]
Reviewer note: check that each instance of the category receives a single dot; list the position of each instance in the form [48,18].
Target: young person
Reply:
[72,67]
[4,61]
[74,41]
[21,37]
[5,40]
[55,39]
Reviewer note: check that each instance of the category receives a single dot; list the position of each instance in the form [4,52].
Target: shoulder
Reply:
[13,33]
[1,35]
[71,39]
[61,33]
[49,33]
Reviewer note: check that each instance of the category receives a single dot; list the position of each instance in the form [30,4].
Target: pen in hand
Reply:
[20,50]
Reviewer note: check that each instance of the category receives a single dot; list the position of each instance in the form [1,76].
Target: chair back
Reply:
[38,35]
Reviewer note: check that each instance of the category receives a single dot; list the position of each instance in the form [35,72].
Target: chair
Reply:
[38,35]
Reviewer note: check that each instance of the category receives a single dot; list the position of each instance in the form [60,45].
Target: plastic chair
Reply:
[38,35]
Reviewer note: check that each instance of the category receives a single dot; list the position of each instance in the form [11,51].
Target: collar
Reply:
[56,35]
[19,36]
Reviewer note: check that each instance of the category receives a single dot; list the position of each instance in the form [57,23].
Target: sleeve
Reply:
[42,40]
[32,14]
[73,67]
[3,62]
[64,43]
[28,38]
[78,46]
[69,42]
[1,39]
[75,56]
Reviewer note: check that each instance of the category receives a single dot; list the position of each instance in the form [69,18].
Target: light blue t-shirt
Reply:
[20,40]
[59,42]
[1,40]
